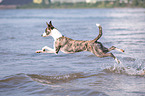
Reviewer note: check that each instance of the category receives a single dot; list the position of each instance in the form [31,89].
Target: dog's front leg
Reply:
[49,50]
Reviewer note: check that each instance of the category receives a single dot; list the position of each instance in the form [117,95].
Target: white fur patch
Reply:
[98,25]
[55,34]
[44,34]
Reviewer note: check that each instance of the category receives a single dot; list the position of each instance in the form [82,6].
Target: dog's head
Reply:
[48,30]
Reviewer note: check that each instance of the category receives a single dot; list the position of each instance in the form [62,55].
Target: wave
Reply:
[55,79]
[17,79]
[14,81]
[28,83]
[21,79]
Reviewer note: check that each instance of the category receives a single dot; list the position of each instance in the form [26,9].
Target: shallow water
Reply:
[24,72]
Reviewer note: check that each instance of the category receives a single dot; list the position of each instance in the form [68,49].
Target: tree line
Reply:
[99,4]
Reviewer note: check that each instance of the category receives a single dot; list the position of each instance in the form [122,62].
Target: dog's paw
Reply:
[122,50]
[39,51]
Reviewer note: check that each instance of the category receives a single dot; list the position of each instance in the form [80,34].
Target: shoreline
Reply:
[72,6]
[8,6]
[18,7]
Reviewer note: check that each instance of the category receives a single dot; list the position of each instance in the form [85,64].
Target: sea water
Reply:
[26,73]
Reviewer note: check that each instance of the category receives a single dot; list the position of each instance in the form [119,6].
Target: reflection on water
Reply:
[24,72]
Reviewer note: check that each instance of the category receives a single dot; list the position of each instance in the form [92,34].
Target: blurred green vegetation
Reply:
[101,4]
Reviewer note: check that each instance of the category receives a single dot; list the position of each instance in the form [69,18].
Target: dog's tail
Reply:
[100,33]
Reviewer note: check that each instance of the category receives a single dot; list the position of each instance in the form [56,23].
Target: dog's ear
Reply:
[50,23]
[51,26]
[47,24]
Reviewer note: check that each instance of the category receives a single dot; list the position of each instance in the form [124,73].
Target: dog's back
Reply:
[68,45]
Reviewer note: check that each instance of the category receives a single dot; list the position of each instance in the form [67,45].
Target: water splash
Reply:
[122,69]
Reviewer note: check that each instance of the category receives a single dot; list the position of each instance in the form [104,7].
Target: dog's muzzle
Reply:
[44,34]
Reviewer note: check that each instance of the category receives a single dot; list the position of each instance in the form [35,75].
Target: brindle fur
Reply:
[68,45]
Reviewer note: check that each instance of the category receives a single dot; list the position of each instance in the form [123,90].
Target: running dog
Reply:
[68,45]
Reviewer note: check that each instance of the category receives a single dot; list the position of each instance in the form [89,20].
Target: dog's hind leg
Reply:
[101,54]
[114,48]
[111,55]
